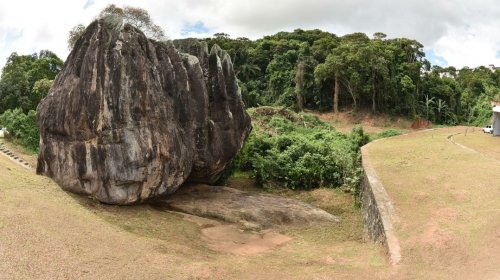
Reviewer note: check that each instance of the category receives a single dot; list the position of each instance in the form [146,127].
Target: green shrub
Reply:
[359,137]
[481,112]
[304,153]
[22,127]
[226,174]
[386,133]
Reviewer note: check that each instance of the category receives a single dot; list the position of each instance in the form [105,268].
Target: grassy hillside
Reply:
[47,233]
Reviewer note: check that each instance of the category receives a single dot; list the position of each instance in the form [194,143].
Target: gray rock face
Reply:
[254,211]
[129,118]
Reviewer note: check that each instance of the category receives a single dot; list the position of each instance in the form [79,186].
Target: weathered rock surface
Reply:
[129,118]
[249,210]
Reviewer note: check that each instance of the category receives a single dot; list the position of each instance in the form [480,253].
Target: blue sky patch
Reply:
[88,4]
[12,35]
[197,28]
[434,58]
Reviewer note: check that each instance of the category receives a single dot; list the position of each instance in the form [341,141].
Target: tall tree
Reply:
[300,84]
[330,70]
[74,34]
[137,17]
[19,76]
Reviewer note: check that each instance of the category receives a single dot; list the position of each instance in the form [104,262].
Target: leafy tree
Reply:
[300,84]
[22,127]
[19,76]
[408,88]
[74,34]
[280,73]
[137,17]
[247,71]
[379,35]
[428,104]
[388,75]
[41,87]
[330,70]
[441,108]
[303,153]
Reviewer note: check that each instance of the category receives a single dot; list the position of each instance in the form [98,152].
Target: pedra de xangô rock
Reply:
[129,119]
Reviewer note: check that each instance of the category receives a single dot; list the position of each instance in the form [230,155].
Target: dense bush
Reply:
[22,127]
[358,136]
[301,152]
[481,112]
[386,133]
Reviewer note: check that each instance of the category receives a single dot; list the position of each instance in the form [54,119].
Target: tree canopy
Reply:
[309,70]
[317,70]
[26,79]
[137,17]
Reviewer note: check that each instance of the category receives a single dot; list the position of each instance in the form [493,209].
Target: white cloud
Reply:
[463,32]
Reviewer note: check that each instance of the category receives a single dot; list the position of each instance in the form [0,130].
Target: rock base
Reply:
[254,211]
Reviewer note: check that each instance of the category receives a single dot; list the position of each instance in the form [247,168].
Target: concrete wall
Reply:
[378,212]
[496,123]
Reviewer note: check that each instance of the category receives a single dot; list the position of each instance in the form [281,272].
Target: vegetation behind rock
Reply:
[300,151]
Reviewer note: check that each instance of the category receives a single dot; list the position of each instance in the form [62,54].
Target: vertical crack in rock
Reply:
[129,118]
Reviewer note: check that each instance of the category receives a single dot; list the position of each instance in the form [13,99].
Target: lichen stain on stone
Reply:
[129,119]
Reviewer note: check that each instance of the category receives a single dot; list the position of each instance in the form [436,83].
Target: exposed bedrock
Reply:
[249,210]
[129,118]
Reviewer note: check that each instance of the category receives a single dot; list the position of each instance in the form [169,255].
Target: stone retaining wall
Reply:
[378,211]
[9,154]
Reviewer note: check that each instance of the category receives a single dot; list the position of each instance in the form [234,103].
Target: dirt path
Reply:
[46,233]
[448,201]
[480,142]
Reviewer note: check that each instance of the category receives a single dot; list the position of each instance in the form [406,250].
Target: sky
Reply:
[454,32]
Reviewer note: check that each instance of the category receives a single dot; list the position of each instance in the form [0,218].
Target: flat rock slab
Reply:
[250,210]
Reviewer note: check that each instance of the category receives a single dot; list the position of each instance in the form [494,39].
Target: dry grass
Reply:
[480,141]
[23,153]
[447,198]
[46,233]
[345,121]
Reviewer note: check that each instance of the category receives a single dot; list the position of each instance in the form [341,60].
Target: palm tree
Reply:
[247,70]
[428,105]
[441,108]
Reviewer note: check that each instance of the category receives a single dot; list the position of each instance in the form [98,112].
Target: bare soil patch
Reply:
[345,121]
[421,124]
[229,238]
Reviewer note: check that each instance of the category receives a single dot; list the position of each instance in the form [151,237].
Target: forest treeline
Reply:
[300,70]
[303,69]
[318,70]
[25,81]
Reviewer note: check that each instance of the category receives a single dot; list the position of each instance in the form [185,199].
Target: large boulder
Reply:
[129,118]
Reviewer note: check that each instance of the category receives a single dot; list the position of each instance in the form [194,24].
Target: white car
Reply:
[488,129]
[3,132]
